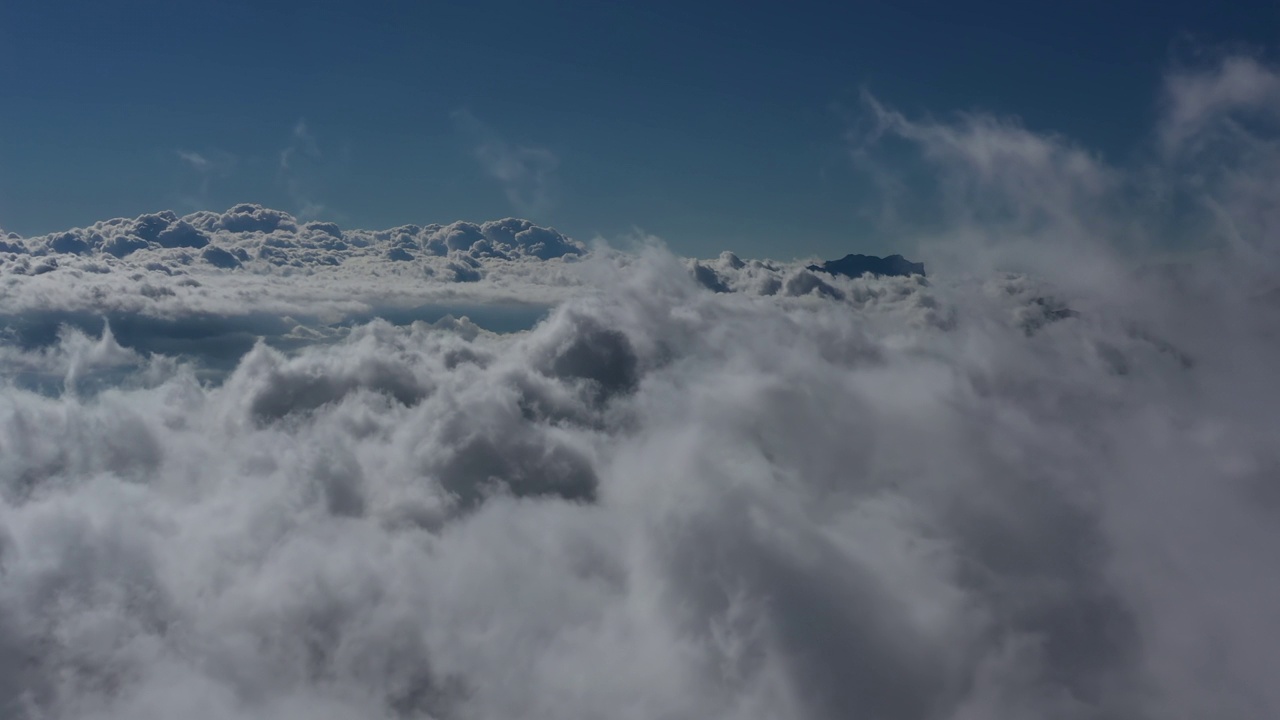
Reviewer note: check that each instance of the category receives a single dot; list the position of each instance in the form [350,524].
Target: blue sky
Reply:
[713,125]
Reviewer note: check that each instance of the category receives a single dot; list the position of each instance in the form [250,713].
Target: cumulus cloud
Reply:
[698,488]
[253,258]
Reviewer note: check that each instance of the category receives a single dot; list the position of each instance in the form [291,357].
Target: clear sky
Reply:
[711,124]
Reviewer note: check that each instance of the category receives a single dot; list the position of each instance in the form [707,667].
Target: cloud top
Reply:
[161,264]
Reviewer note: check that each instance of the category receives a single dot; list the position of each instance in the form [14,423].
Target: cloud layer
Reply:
[726,488]
[256,258]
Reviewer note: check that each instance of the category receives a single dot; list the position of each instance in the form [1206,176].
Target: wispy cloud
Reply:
[298,168]
[302,142]
[202,170]
[527,173]
[1196,99]
[194,159]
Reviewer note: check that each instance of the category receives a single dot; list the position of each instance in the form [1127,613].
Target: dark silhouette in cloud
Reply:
[858,265]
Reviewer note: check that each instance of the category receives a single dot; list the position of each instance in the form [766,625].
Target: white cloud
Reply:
[194,159]
[256,259]
[662,501]
[980,495]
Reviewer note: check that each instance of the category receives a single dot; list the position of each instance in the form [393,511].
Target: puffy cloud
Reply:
[697,488]
[251,258]
[660,501]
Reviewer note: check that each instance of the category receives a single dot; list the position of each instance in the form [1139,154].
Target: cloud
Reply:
[698,488]
[299,169]
[738,500]
[203,169]
[1196,99]
[302,144]
[527,174]
[1219,139]
[252,259]
[1000,194]
[997,194]
[194,159]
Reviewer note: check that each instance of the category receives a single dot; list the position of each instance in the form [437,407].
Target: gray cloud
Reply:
[698,488]
[1196,100]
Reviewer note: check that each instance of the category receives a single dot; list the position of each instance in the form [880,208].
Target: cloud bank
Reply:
[256,258]
[1023,487]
